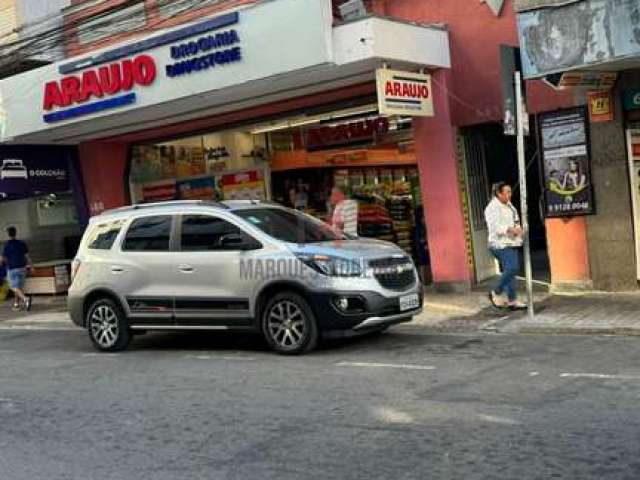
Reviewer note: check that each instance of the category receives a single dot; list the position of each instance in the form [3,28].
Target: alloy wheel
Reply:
[286,324]
[104,326]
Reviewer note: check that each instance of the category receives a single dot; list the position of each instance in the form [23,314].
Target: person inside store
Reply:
[301,197]
[17,262]
[505,238]
[345,213]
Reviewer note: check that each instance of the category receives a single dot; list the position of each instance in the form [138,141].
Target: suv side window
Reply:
[148,234]
[103,235]
[203,233]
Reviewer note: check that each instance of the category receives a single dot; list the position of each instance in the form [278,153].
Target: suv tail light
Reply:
[75,267]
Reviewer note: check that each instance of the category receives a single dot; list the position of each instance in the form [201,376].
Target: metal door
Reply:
[478,196]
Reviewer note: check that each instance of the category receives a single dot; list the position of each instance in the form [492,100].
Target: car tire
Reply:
[289,325]
[107,326]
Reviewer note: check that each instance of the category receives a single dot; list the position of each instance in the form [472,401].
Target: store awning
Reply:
[267,53]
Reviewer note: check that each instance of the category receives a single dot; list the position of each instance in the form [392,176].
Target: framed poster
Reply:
[564,137]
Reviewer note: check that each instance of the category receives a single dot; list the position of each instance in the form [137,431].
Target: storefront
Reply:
[301,161]
[41,195]
[248,104]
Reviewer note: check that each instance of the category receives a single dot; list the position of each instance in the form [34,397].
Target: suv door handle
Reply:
[186,268]
[117,269]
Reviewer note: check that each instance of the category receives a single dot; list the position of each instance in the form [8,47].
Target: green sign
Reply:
[632,100]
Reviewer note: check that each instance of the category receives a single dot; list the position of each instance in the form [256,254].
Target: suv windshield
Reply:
[289,225]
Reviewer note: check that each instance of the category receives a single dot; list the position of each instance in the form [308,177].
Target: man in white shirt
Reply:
[345,217]
[505,237]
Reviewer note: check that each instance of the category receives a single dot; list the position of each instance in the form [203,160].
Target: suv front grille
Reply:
[394,273]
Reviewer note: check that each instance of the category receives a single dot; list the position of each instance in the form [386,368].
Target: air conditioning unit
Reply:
[352,10]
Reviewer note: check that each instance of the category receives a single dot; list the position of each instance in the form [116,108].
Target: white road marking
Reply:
[500,420]
[390,415]
[603,376]
[385,365]
[534,374]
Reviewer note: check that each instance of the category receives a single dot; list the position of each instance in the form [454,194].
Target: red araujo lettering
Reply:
[402,89]
[97,83]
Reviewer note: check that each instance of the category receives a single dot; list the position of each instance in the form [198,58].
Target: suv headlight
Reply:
[332,266]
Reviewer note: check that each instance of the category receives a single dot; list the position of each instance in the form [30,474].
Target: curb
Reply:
[543,330]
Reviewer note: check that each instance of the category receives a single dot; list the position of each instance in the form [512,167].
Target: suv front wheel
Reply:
[289,325]
[107,326]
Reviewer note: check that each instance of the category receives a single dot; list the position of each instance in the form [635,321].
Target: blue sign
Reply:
[27,170]
[205,53]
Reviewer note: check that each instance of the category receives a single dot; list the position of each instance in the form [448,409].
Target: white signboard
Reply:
[404,93]
[176,71]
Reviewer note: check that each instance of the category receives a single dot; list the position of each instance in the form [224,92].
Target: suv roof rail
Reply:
[252,201]
[171,203]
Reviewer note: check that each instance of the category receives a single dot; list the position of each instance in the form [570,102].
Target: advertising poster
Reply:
[32,170]
[566,163]
[146,164]
[168,161]
[159,191]
[197,189]
[247,185]
[198,163]
[183,162]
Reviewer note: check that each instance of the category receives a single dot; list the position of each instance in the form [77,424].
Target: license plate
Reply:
[409,302]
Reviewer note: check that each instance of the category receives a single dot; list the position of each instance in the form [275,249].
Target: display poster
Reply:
[566,163]
[198,163]
[183,162]
[247,185]
[168,161]
[159,191]
[29,170]
[197,189]
[146,164]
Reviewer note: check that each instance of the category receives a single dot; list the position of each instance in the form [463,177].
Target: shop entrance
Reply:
[491,157]
[311,162]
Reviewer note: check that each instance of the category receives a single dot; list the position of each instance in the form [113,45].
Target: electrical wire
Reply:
[65,34]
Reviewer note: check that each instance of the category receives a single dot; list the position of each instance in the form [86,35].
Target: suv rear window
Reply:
[103,235]
[148,234]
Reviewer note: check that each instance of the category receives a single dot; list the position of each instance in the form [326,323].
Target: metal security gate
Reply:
[478,196]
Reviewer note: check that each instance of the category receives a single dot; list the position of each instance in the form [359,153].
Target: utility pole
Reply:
[524,211]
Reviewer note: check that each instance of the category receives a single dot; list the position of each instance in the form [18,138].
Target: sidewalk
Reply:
[576,314]
[46,311]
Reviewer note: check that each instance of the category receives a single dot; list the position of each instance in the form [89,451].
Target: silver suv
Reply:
[237,265]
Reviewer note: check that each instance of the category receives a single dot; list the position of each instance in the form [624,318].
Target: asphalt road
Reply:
[397,406]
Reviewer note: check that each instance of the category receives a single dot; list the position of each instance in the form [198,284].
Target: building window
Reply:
[101,26]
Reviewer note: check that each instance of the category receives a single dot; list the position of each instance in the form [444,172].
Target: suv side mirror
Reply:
[239,242]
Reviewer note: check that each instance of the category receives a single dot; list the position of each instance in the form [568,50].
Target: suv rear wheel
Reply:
[107,326]
[289,325]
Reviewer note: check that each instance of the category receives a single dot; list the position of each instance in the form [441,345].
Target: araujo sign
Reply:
[109,79]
